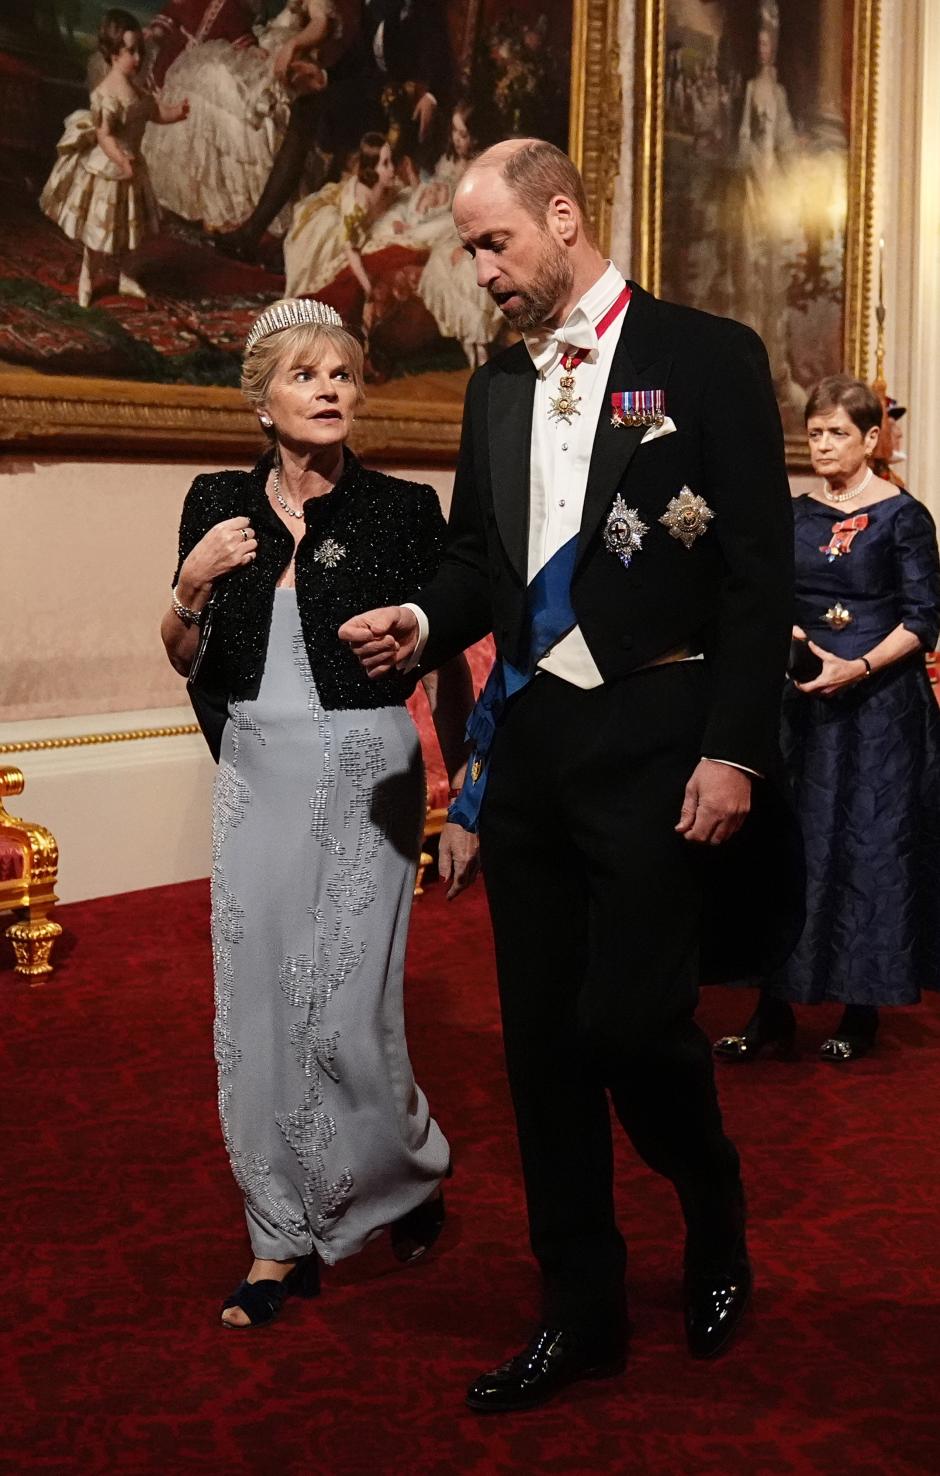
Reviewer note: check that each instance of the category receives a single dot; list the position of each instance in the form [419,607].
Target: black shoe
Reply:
[715,1302]
[415,1233]
[775,1034]
[846,1047]
[261,1301]
[553,1360]
[854,1036]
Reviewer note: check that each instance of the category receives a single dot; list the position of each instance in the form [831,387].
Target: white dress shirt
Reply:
[560,455]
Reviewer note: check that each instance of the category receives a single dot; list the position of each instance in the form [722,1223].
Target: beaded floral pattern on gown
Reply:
[866,764]
[86,194]
[316,828]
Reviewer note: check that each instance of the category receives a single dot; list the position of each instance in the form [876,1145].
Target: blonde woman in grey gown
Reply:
[318,817]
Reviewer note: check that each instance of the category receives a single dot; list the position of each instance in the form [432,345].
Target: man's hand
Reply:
[458,858]
[383,640]
[716,804]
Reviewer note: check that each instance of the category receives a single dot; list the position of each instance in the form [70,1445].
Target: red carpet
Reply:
[123,1229]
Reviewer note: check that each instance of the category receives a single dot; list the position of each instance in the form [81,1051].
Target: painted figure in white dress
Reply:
[448,285]
[214,170]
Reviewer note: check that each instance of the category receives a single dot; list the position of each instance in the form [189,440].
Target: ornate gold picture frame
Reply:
[412,419]
[754,165]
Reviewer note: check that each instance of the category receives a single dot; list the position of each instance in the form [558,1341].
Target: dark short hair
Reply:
[537,172]
[370,147]
[841,391]
[114,24]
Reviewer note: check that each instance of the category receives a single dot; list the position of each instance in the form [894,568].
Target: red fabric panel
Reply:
[480,658]
[12,860]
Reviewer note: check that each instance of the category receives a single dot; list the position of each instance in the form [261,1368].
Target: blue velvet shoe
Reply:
[261,1301]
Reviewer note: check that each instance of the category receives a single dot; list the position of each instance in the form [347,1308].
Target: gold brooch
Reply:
[838,617]
[687,517]
[565,403]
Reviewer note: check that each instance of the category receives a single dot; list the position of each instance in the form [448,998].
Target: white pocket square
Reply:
[655,431]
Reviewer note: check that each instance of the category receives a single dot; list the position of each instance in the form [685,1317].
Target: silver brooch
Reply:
[329,553]
[624,532]
[687,517]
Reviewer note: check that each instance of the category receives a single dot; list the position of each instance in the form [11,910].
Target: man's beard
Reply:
[550,285]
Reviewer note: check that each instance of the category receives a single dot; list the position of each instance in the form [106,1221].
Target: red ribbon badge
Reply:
[842,535]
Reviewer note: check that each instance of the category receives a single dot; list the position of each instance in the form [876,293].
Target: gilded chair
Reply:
[29,860]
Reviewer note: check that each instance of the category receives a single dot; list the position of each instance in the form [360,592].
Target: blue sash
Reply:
[550,616]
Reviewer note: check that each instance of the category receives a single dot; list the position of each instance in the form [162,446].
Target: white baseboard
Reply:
[127,813]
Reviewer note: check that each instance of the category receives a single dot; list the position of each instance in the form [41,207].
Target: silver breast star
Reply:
[624,531]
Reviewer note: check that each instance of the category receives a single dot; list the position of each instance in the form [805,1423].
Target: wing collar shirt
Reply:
[560,455]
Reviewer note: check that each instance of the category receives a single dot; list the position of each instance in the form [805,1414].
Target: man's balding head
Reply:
[535,172]
[520,211]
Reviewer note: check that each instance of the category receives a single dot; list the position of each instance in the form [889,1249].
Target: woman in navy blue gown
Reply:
[861,741]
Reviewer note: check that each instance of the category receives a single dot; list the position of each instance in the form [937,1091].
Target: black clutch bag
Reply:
[209,703]
[803,665]
[205,631]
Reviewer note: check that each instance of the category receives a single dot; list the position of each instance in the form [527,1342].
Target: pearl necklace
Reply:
[276,489]
[847,496]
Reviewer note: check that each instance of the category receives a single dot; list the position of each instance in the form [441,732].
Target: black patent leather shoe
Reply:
[553,1360]
[715,1301]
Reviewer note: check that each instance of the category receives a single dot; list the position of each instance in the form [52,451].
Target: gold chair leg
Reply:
[32,944]
[424,862]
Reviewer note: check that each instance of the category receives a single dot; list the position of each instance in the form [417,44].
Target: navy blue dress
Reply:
[865,764]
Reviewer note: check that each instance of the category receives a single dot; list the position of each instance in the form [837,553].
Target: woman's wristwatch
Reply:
[189,617]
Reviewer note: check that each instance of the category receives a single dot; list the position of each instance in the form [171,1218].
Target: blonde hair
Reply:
[291,348]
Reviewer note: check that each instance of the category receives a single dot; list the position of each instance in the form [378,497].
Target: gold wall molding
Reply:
[83,740]
[649,130]
[78,415]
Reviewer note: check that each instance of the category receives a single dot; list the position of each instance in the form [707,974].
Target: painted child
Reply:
[99,191]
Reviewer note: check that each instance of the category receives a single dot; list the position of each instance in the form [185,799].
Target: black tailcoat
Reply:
[729,595]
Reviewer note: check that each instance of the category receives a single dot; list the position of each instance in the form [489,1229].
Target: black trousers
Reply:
[596,906]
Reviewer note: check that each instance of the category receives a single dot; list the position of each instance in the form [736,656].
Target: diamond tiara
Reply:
[290,314]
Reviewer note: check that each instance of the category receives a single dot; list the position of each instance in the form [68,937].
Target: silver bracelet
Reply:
[188,617]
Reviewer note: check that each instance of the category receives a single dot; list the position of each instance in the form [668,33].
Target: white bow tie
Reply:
[547,345]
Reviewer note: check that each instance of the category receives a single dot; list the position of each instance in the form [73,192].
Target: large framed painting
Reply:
[270,148]
[754,173]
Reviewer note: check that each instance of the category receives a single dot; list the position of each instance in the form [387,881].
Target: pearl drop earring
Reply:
[266,420]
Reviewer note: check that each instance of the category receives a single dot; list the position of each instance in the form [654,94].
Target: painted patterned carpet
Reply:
[123,1230]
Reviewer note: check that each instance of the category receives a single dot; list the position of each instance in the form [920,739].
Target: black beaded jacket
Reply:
[370,542]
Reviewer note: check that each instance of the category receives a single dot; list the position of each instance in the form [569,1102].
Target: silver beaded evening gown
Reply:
[317,822]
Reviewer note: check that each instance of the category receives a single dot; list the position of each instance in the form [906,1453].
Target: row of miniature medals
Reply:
[837,617]
[687,516]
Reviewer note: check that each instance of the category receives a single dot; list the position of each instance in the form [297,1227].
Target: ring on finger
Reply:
[245,534]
